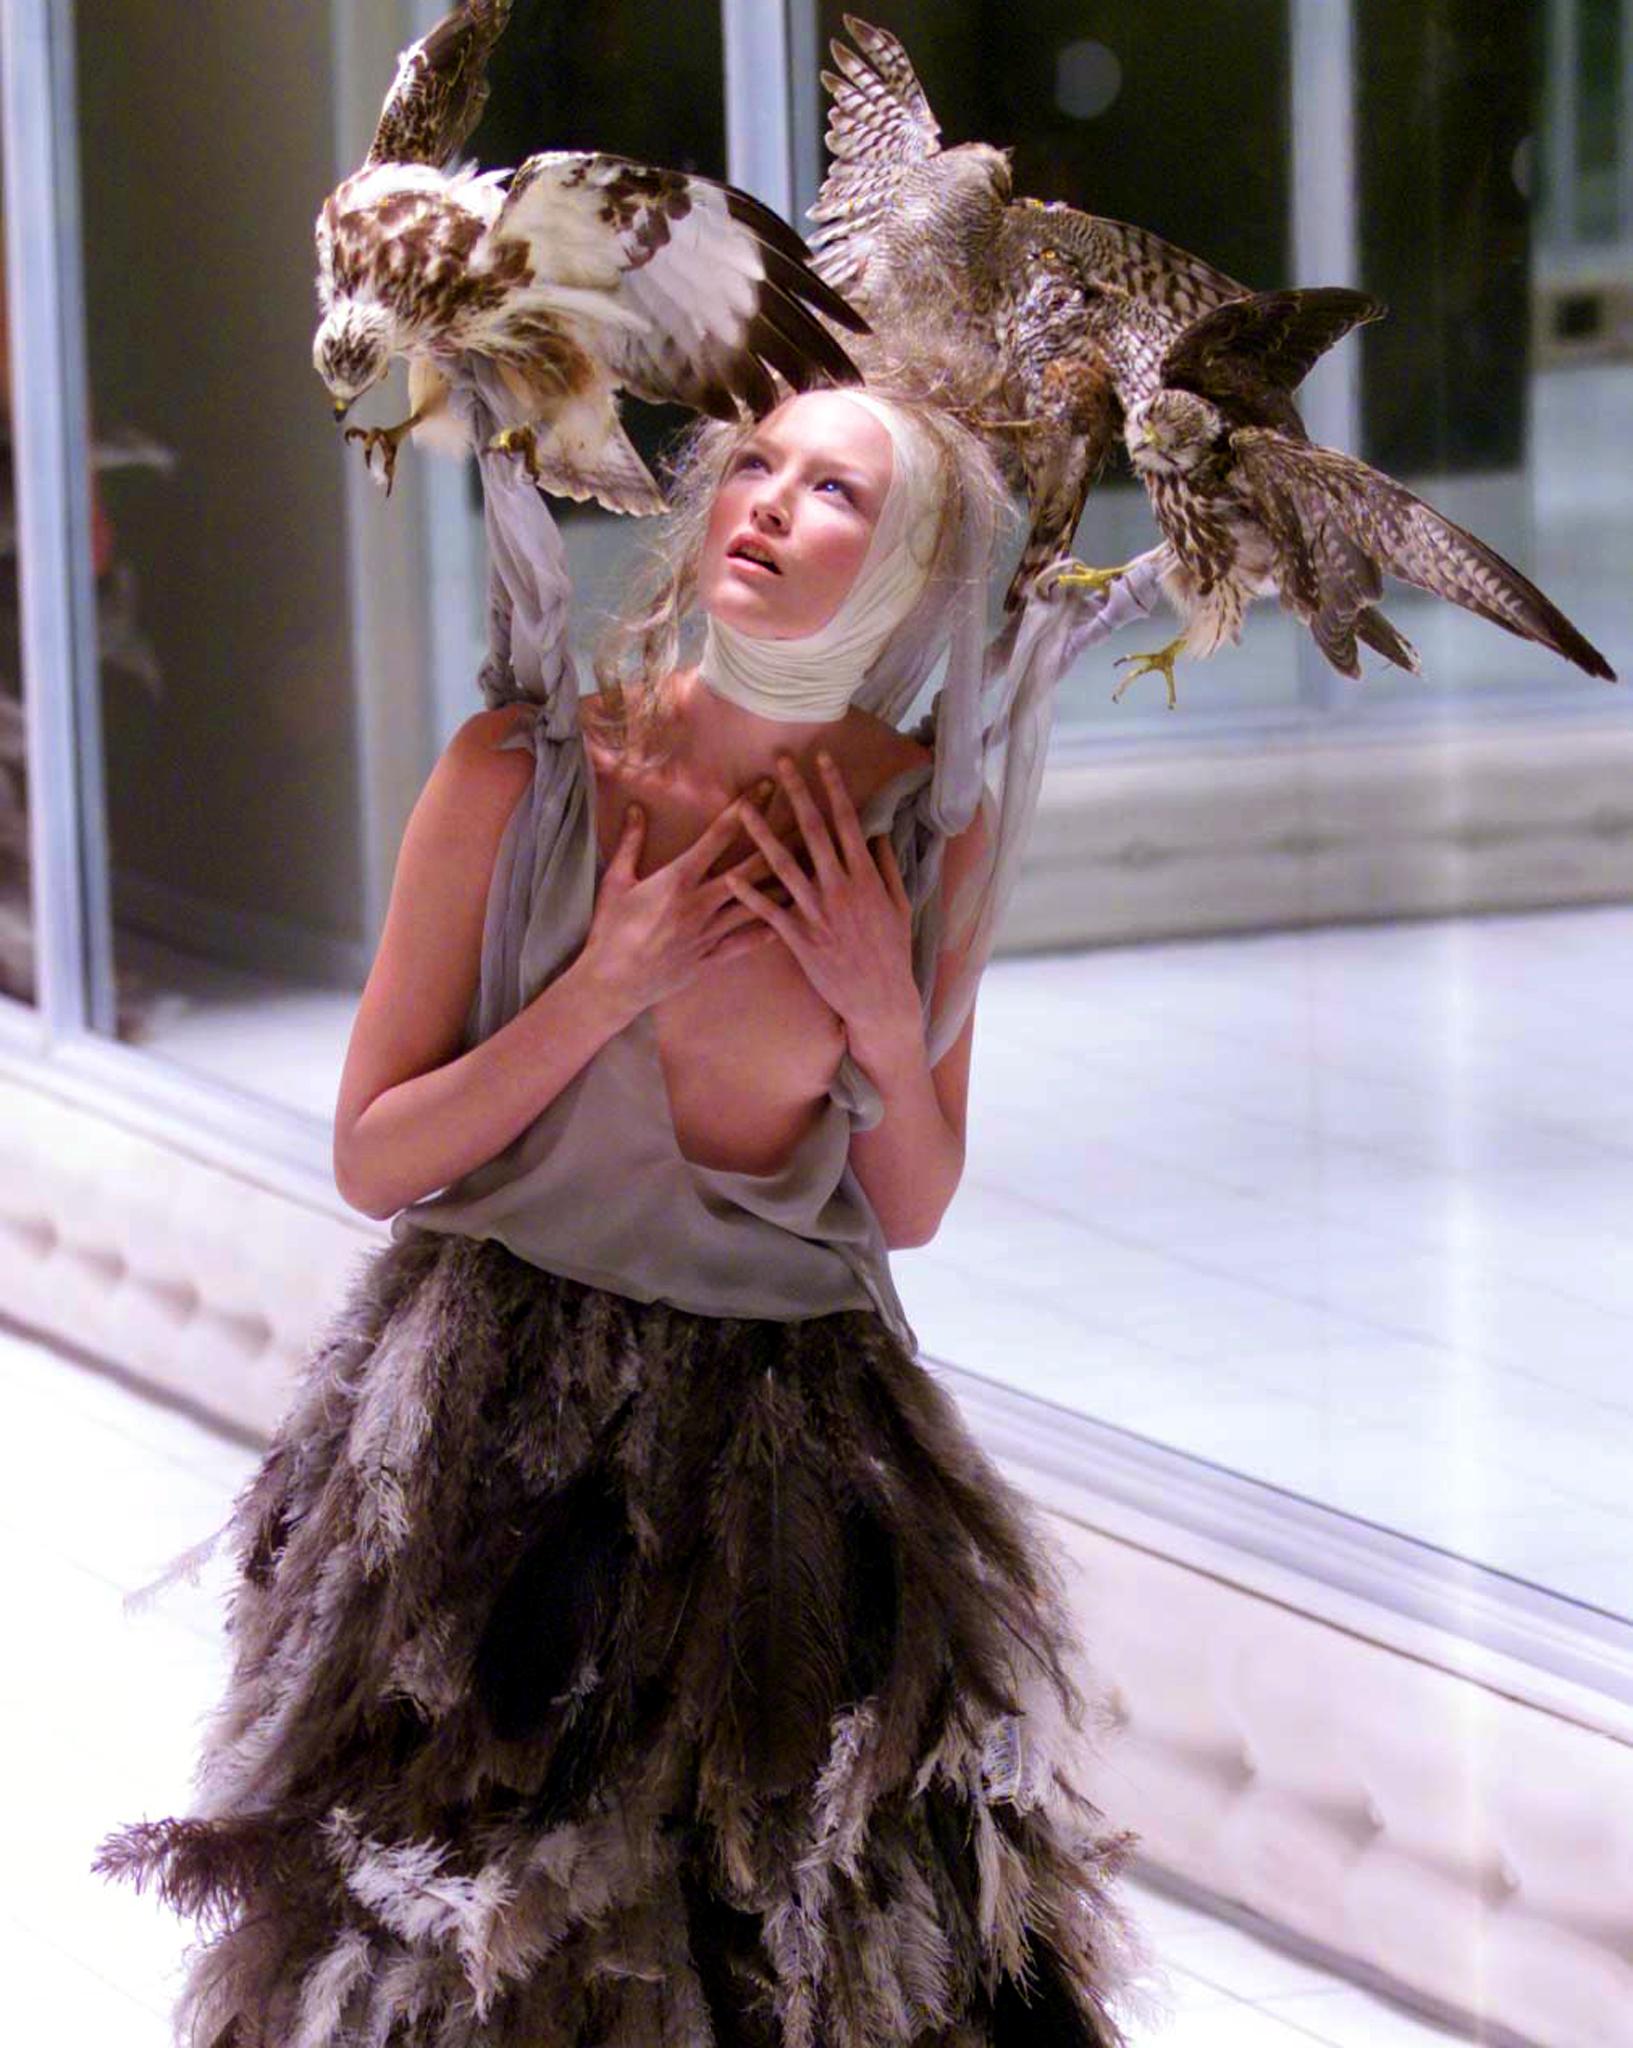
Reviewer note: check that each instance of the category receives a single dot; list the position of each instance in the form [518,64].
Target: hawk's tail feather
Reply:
[1387,640]
[618,480]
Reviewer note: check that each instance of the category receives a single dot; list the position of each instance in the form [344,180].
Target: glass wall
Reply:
[16,907]
[238,770]
[1468,160]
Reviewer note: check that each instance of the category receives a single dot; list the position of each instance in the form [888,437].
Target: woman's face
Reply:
[793,516]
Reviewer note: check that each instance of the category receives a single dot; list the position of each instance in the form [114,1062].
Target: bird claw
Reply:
[1160,663]
[1074,575]
[518,441]
[381,441]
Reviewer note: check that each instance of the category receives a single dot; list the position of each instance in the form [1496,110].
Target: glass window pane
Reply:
[240,758]
[1332,1209]
[16,908]
[229,742]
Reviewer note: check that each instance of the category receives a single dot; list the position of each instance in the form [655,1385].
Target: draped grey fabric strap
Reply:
[529,591]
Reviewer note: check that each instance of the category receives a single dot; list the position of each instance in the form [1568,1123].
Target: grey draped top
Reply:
[596,1187]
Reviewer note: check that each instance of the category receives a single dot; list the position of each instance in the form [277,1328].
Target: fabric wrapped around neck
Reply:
[814,676]
[988,724]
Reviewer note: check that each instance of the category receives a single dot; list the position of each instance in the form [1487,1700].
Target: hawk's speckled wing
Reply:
[882,135]
[1300,491]
[1249,355]
[441,87]
[706,291]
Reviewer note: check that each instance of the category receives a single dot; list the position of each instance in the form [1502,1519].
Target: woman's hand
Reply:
[848,923]
[648,938]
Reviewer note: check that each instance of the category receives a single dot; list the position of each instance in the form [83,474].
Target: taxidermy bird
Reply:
[1251,507]
[577,274]
[1042,324]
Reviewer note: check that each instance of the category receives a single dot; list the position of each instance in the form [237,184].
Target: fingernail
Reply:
[825,757]
[764,787]
[632,814]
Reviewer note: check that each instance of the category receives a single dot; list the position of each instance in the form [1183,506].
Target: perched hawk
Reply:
[1040,323]
[1252,508]
[577,274]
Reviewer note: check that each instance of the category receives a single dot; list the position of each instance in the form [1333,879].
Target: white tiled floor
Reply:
[1339,1209]
[100,1711]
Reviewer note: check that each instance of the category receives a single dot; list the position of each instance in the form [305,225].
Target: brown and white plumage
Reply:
[1251,507]
[578,274]
[1021,306]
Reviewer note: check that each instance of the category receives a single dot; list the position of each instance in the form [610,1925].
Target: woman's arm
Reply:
[414,1113]
[911,1161]
[849,925]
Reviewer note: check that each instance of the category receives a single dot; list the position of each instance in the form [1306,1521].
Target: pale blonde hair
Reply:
[636,656]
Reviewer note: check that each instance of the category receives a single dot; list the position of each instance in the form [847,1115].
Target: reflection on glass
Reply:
[231,765]
[233,734]
[1333,1209]
[16,908]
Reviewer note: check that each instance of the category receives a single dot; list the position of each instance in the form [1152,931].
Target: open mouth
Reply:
[753,554]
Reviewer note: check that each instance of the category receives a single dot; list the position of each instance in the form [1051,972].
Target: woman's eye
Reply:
[750,462]
[837,484]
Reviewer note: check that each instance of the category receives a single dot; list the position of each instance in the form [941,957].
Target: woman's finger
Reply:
[731,915]
[779,920]
[738,942]
[782,864]
[891,870]
[847,825]
[628,850]
[753,867]
[818,840]
[695,861]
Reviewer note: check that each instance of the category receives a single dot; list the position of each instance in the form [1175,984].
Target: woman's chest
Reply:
[747,1047]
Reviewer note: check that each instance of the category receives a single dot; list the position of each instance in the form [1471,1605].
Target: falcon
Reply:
[1251,507]
[1040,323]
[577,274]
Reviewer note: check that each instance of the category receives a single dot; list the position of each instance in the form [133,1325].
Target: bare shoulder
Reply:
[478,746]
[478,777]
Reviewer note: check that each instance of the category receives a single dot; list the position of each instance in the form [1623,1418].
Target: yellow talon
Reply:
[1161,663]
[1079,576]
[387,440]
[518,441]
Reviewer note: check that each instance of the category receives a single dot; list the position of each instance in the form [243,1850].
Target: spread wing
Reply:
[1300,491]
[1249,355]
[881,132]
[441,87]
[1177,285]
[703,291]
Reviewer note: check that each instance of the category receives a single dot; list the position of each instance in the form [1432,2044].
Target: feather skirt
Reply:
[610,1676]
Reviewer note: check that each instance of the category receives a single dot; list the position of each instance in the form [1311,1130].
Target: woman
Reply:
[632,1647]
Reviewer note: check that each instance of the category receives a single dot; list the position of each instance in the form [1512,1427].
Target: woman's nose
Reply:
[769,508]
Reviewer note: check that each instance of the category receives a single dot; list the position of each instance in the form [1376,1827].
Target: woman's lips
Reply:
[751,554]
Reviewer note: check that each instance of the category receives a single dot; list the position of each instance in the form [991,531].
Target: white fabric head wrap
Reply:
[814,677]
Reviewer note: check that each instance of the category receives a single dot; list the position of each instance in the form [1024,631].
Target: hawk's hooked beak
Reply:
[342,406]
